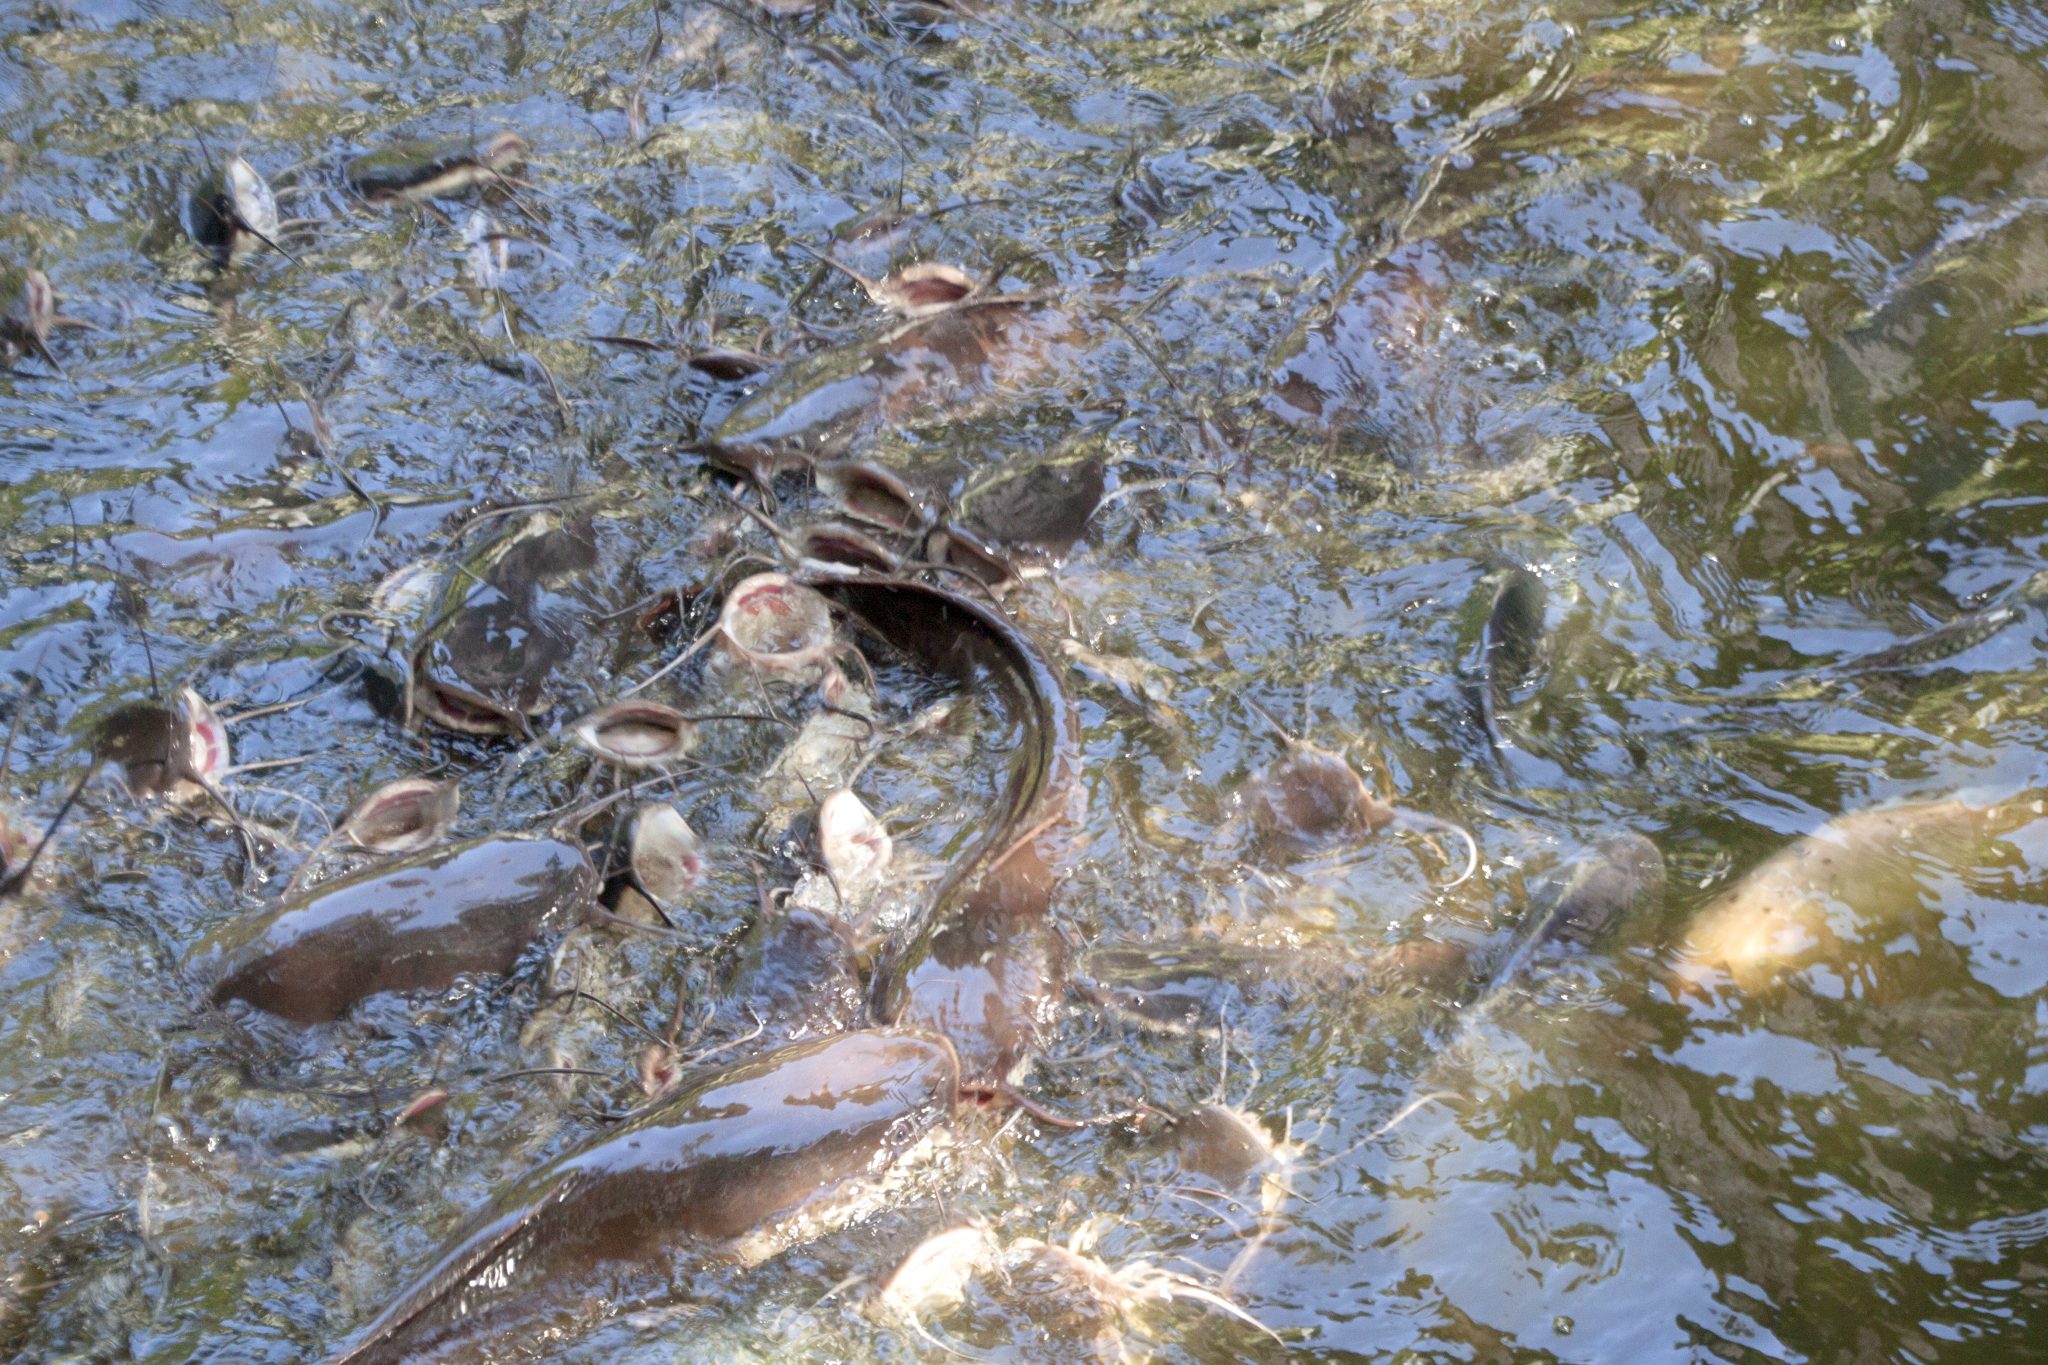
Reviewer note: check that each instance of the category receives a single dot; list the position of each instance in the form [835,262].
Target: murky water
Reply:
[1728,322]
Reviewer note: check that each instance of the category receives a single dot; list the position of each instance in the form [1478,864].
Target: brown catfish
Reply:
[736,1168]
[943,366]
[985,968]
[410,925]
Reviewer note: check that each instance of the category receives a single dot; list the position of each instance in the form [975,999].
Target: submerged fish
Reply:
[1621,876]
[1207,985]
[797,974]
[1508,644]
[735,1167]
[1952,242]
[429,171]
[1039,511]
[485,664]
[1858,873]
[1950,638]
[938,368]
[28,314]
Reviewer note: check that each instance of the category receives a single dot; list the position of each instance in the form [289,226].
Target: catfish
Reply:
[733,1168]
[410,925]
[983,966]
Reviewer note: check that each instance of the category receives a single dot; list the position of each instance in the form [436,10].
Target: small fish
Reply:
[832,547]
[940,368]
[413,172]
[30,315]
[1940,254]
[233,208]
[957,547]
[1232,1149]
[1075,1295]
[1951,638]
[727,363]
[1142,683]
[1041,510]
[1204,986]
[876,496]
[915,291]
[174,751]
[1309,800]
[935,1275]
[824,756]
[772,625]
[1621,876]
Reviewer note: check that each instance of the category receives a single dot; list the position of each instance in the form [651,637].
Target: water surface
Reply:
[1728,321]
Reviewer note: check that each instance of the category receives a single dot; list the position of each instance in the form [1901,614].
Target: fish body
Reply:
[1192,987]
[1943,642]
[1037,512]
[415,924]
[734,1167]
[1621,876]
[161,750]
[984,967]
[1509,645]
[232,209]
[1307,800]
[485,664]
[1856,873]
[30,304]
[935,368]
[798,975]
[416,171]
[1207,985]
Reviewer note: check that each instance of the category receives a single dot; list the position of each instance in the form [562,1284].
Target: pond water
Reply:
[1726,322]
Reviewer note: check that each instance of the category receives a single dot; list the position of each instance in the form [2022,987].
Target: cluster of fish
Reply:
[888,1024]
[891,1015]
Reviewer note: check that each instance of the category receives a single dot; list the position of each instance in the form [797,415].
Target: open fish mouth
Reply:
[463,711]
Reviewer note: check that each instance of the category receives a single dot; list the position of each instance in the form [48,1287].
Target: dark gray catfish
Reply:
[798,973]
[485,663]
[1039,511]
[414,170]
[985,968]
[1619,878]
[1207,985]
[941,367]
[735,1168]
[410,925]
